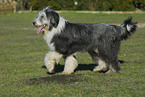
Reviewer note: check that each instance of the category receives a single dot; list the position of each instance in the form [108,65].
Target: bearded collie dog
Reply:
[65,39]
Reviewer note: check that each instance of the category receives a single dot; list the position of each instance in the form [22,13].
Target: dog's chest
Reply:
[48,37]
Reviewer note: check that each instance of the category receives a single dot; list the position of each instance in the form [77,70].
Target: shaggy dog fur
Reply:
[65,39]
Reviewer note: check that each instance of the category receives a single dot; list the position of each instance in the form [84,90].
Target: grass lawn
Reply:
[22,70]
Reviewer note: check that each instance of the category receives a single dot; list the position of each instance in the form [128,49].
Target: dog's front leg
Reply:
[70,65]
[50,59]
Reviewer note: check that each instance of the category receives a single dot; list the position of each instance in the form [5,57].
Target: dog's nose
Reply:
[34,22]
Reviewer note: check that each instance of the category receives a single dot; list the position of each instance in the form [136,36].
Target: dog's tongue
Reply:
[40,28]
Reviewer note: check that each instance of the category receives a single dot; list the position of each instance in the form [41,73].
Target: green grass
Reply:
[22,54]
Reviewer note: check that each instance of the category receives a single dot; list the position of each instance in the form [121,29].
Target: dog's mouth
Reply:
[40,28]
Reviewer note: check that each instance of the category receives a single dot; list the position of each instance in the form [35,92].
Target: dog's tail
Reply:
[129,27]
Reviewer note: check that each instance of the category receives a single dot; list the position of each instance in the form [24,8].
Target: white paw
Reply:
[50,66]
[110,72]
[99,68]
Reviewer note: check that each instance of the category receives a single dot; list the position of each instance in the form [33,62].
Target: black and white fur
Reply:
[65,39]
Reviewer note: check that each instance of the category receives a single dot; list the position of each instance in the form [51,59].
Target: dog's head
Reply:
[46,18]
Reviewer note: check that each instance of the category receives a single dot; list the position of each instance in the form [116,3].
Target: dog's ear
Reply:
[47,8]
[54,19]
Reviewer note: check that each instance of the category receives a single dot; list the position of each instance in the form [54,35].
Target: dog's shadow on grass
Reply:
[59,68]
[63,79]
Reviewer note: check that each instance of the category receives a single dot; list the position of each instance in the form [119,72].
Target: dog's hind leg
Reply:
[111,59]
[50,59]
[70,65]
[114,67]
[94,55]
[102,65]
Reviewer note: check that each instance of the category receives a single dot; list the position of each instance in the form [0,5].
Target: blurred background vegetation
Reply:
[90,5]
